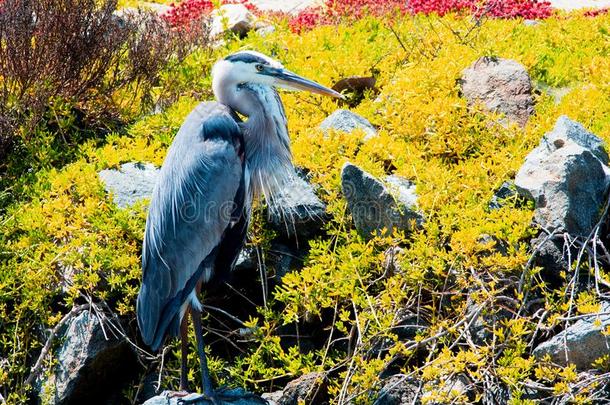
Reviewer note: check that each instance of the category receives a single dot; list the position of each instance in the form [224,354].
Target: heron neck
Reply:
[267,143]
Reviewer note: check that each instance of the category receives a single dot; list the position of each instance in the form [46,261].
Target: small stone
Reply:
[247,259]
[493,245]
[408,324]
[557,93]
[506,190]
[131,183]
[347,121]
[484,321]
[581,343]
[235,18]
[531,23]
[391,264]
[272,397]
[450,391]
[375,206]
[501,85]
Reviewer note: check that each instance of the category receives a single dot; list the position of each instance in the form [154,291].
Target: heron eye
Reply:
[259,67]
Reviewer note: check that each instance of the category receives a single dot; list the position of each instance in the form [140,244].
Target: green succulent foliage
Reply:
[66,239]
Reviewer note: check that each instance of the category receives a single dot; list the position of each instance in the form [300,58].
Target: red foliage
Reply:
[596,12]
[334,10]
[184,13]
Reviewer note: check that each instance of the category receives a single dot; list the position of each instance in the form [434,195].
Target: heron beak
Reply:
[289,80]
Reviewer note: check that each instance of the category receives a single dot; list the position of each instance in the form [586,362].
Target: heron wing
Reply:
[192,206]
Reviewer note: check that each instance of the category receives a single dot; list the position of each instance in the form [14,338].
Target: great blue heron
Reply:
[200,207]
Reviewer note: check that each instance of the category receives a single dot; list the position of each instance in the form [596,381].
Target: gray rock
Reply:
[131,183]
[492,244]
[375,206]
[283,260]
[581,343]
[391,262]
[484,322]
[264,29]
[501,85]
[506,190]
[398,390]
[565,130]
[531,23]
[297,212]
[455,389]
[90,365]
[408,324]
[550,254]
[273,397]
[247,259]
[568,187]
[310,388]
[227,397]
[235,18]
[347,121]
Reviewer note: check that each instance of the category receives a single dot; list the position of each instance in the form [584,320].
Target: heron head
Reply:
[254,67]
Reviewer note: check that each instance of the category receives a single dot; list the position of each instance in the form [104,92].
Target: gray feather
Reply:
[189,211]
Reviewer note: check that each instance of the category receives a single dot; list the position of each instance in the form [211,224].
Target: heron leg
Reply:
[184,343]
[206,382]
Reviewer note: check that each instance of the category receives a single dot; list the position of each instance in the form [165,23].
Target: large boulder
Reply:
[235,18]
[581,343]
[92,364]
[501,85]
[130,183]
[298,213]
[376,205]
[566,177]
[347,121]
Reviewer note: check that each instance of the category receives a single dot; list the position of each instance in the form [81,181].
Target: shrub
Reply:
[336,10]
[72,69]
